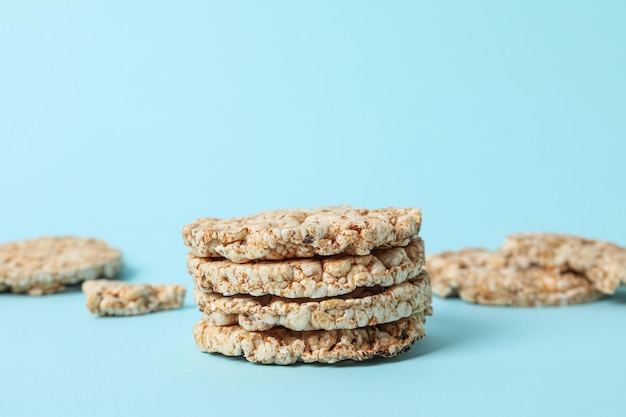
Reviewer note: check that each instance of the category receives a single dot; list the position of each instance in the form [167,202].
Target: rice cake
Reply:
[283,346]
[301,233]
[308,278]
[481,276]
[46,264]
[366,306]
[117,298]
[603,263]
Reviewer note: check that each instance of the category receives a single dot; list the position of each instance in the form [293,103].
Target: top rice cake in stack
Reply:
[319,285]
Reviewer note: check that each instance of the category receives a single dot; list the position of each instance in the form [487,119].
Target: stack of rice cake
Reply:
[319,285]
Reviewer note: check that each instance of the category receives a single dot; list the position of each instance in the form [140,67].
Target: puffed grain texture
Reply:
[449,270]
[283,346]
[530,287]
[481,276]
[601,262]
[309,278]
[301,233]
[366,306]
[46,264]
[117,298]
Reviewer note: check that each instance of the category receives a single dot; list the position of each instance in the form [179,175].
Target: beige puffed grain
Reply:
[308,278]
[45,265]
[603,263]
[449,269]
[366,306]
[485,277]
[117,298]
[283,346]
[530,287]
[300,233]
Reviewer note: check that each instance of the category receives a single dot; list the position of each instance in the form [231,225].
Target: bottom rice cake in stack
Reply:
[320,285]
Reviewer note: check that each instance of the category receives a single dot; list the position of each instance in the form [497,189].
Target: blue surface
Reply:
[126,120]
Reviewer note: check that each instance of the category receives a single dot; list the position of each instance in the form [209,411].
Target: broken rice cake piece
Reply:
[116,298]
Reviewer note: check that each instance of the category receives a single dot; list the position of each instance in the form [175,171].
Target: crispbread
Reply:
[283,346]
[449,269]
[530,287]
[366,306]
[485,277]
[603,263]
[308,278]
[117,298]
[300,233]
[45,265]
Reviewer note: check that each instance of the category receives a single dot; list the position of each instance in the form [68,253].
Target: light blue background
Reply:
[126,120]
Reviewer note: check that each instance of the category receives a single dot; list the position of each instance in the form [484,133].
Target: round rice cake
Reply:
[283,346]
[481,276]
[367,306]
[603,263]
[301,233]
[530,287]
[309,278]
[45,265]
[449,269]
